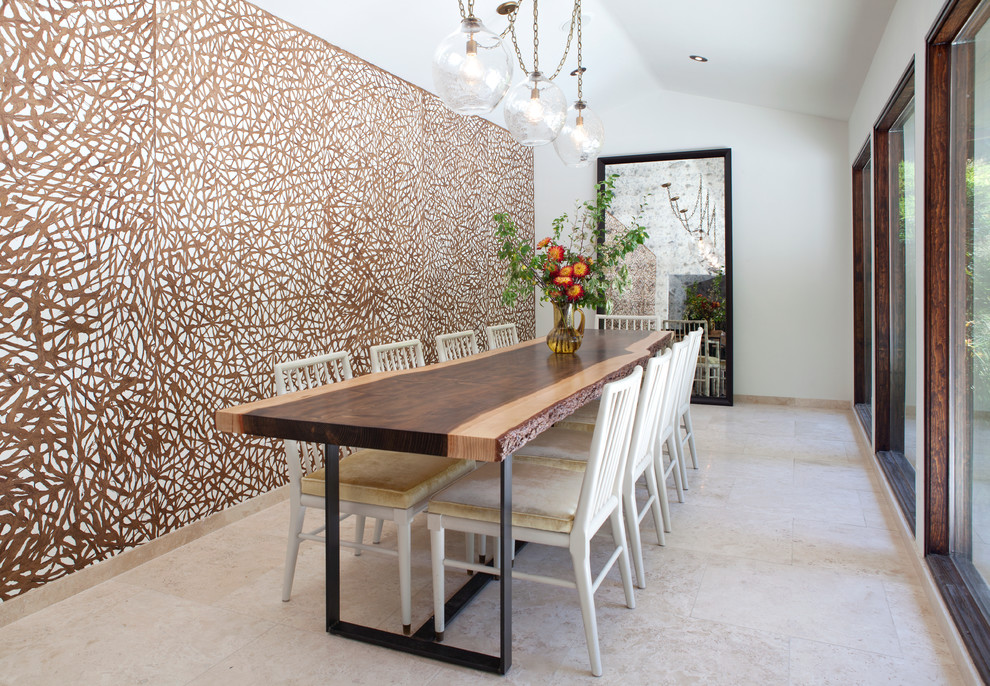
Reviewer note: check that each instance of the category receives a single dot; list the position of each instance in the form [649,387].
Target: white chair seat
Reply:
[543,498]
[559,447]
[398,480]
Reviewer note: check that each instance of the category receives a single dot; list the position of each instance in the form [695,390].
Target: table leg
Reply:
[421,642]
[332,486]
[505,580]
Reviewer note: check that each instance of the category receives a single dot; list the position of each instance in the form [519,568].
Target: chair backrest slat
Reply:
[648,413]
[501,336]
[628,322]
[391,357]
[453,346]
[690,365]
[298,375]
[672,392]
[609,449]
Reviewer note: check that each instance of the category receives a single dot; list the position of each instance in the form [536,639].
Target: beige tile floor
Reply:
[783,567]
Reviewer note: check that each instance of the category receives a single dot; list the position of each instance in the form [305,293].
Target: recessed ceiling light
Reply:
[699,58]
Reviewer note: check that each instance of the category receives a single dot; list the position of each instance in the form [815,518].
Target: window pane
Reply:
[970,222]
[903,273]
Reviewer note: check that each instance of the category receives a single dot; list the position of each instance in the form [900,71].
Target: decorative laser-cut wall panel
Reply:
[190,192]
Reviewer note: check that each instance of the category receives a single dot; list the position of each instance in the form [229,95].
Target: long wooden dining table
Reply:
[482,407]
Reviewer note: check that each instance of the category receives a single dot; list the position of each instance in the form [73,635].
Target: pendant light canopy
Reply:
[471,69]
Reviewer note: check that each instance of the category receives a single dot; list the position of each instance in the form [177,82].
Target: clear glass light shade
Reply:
[471,69]
[535,110]
[581,138]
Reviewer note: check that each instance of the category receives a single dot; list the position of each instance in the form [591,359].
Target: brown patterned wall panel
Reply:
[190,192]
[77,393]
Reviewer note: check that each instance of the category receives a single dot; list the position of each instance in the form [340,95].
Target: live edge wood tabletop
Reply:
[482,407]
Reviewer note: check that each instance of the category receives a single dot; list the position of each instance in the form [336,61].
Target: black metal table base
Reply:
[422,642]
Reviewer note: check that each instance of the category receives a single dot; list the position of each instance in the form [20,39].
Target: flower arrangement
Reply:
[562,266]
[708,305]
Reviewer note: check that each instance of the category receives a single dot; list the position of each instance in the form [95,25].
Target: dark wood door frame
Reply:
[884,443]
[952,574]
[860,383]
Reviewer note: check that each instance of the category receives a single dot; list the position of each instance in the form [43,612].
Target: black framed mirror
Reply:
[682,275]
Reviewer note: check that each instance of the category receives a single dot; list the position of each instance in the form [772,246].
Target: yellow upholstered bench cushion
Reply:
[542,497]
[582,419]
[559,447]
[390,479]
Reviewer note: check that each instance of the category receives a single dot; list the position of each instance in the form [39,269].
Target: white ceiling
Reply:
[808,56]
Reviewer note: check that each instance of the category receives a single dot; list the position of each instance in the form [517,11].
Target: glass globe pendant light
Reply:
[535,110]
[581,138]
[471,67]
[583,135]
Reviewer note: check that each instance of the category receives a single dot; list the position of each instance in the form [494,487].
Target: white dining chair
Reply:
[709,372]
[373,483]
[627,322]
[453,346]
[391,357]
[501,336]
[569,449]
[567,515]
[683,419]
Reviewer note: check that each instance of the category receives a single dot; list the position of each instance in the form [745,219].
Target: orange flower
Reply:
[567,271]
[544,243]
[556,253]
[554,294]
[580,269]
[563,281]
[575,292]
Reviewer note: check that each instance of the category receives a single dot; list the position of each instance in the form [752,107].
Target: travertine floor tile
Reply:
[817,604]
[821,664]
[784,566]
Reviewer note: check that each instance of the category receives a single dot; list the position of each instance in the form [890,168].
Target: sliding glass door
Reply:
[895,284]
[970,302]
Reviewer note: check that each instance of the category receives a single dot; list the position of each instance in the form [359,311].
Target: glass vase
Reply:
[565,337]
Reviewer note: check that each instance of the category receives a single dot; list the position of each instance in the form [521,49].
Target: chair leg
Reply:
[631,509]
[469,548]
[619,538]
[674,468]
[437,555]
[661,512]
[674,448]
[358,532]
[690,438]
[403,526]
[379,523]
[482,548]
[581,557]
[296,517]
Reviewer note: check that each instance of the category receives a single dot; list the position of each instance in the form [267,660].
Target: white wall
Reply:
[791,229]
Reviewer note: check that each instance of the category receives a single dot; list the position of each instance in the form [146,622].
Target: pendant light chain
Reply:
[580,69]
[511,30]
[470,9]
[575,14]
[536,36]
